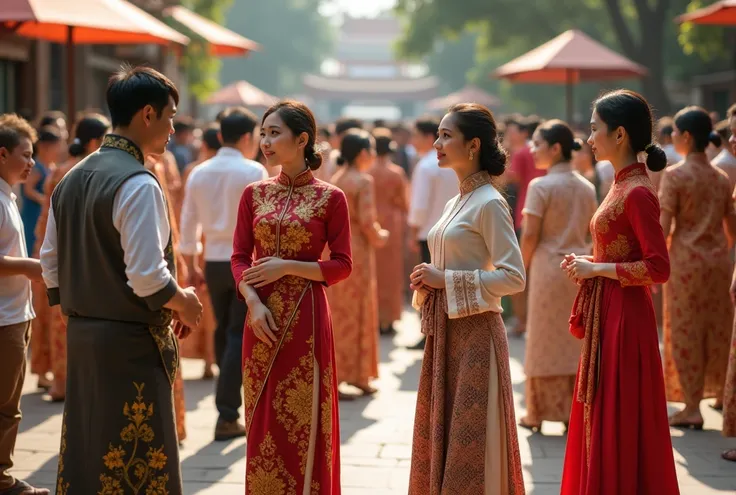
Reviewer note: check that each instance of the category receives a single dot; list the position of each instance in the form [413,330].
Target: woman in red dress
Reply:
[289,382]
[619,440]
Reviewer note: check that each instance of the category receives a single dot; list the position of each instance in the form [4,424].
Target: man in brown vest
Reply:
[107,258]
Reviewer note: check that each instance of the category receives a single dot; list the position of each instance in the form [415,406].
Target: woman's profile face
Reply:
[602,141]
[452,149]
[680,141]
[544,155]
[278,143]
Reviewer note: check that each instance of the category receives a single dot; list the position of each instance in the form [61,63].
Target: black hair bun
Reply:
[656,158]
[340,161]
[76,148]
[577,144]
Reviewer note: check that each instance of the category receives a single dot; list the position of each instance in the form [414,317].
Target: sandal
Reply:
[679,420]
[729,455]
[345,397]
[525,424]
[22,488]
[365,389]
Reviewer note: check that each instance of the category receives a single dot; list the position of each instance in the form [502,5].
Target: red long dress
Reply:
[619,440]
[290,388]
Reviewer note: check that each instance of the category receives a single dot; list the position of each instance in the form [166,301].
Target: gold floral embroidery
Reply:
[168,348]
[62,487]
[463,287]
[266,237]
[124,144]
[475,181]
[293,404]
[294,237]
[267,473]
[311,201]
[136,472]
[327,416]
[619,249]
[634,273]
[267,196]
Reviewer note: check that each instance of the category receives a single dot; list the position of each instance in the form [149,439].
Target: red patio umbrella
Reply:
[222,41]
[469,94]
[721,13]
[241,93]
[85,22]
[570,58]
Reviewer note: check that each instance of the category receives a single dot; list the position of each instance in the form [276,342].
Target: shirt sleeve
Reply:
[340,264]
[642,210]
[470,292]
[50,261]
[668,193]
[243,239]
[190,230]
[536,200]
[140,214]
[421,184]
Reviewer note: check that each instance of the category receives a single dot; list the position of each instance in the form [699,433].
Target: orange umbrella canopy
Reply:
[93,22]
[222,42]
[469,94]
[570,58]
[720,13]
[241,93]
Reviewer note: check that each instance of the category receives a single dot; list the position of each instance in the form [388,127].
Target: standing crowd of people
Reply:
[281,252]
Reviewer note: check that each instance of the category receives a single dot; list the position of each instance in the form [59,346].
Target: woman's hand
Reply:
[262,322]
[265,271]
[580,269]
[428,276]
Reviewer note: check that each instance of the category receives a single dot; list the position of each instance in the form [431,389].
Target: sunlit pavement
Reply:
[376,436]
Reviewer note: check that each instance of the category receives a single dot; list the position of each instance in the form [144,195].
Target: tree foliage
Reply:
[642,30]
[295,40]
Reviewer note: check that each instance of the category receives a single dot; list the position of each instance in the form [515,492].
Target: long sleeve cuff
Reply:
[54,296]
[157,300]
[463,293]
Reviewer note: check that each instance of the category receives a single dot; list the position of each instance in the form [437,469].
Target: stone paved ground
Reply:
[376,437]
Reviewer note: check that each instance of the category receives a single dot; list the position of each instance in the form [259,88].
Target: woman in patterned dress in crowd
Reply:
[289,376]
[465,438]
[729,395]
[557,215]
[696,201]
[619,440]
[354,304]
[88,134]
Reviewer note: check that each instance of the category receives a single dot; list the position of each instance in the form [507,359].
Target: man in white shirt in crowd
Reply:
[16,310]
[431,188]
[210,209]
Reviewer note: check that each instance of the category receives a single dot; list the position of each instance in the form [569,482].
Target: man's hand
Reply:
[196,277]
[180,330]
[33,270]
[191,312]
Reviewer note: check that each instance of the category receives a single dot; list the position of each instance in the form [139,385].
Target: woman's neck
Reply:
[293,169]
[622,161]
[466,172]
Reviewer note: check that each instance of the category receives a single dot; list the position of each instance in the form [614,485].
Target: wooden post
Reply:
[569,96]
[70,76]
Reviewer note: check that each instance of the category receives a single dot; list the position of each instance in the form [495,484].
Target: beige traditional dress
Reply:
[354,303]
[392,204]
[729,393]
[698,314]
[565,202]
[465,437]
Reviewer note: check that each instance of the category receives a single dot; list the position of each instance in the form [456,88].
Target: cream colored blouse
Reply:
[475,244]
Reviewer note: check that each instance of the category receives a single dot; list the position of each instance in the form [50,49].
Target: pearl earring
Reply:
[471,155]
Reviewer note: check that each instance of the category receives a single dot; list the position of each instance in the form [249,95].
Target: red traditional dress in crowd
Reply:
[619,440]
[290,388]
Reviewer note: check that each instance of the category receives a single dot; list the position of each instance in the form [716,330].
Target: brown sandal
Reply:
[729,455]
[524,424]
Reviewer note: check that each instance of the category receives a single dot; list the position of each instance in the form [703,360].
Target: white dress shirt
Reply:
[211,199]
[139,213]
[15,292]
[431,188]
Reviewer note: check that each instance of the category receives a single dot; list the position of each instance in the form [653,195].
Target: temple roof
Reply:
[385,89]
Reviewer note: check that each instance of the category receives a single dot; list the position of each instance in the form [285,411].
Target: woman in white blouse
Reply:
[464,432]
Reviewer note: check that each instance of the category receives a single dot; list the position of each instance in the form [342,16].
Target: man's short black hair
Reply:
[184,124]
[235,123]
[345,124]
[517,120]
[429,126]
[211,136]
[132,88]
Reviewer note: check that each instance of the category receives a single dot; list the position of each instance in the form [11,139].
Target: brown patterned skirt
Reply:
[119,432]
[464,389]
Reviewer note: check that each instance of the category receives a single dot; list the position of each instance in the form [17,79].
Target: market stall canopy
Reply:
[721,13]
[469,94]
[92,22]
[241,93]
[571,57]
[222,41]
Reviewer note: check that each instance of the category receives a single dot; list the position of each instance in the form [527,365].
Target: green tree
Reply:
[202,68]
[295,40]
[638,28]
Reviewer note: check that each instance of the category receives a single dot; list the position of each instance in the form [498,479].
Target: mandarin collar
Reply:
[302,179]
[560,168]
[631,171]
[475,181]
[122,143]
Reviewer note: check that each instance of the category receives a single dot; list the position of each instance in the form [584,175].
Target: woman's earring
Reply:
[472,155]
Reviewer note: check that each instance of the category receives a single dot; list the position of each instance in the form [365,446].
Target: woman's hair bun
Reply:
[313,157]
[577,144]
[656,158]
[340,161]
[76,148]
[715,138]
